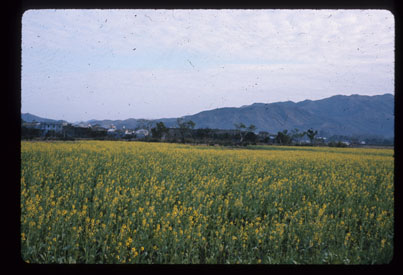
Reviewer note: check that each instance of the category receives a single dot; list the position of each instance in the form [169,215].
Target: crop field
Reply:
[134,202]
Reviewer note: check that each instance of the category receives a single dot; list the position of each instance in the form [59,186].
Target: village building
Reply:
[31,125]
[55,126]
[141,133]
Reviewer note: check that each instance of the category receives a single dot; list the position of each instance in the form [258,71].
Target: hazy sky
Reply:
[118,64]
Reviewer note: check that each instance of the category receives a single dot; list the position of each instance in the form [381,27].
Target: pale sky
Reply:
[79,65]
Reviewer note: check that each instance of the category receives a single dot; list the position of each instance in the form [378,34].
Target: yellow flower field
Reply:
[135,202]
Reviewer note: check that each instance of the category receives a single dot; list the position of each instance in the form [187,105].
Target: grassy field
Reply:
[134,202]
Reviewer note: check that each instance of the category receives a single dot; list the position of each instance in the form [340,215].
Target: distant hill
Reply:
[354,115]
[27,117]
[336,115]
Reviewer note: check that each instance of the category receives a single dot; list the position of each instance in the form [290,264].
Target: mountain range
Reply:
[355,115]
[30,118]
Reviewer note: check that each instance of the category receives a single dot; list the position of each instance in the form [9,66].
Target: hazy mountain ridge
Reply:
[27,117]
[336,115]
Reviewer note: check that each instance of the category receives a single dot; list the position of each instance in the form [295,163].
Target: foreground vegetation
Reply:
[134,202]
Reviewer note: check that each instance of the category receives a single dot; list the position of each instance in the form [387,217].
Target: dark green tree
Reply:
[243,130]
[185,127]
[311,135]
[296,135]
[251,128]
[250,137]
[159,130]
[264,136]
[203,134]
[283,138]
[240,127]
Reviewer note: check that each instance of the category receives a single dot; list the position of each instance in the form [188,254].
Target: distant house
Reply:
[42,129]
[45,126]
[116,133]
[30,130]
[31,125]
[141,133]
[51,126]
[129,132]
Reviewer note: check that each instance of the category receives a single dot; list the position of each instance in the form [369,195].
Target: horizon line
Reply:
[183,116]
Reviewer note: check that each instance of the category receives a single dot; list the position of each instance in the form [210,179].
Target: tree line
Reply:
[185,132]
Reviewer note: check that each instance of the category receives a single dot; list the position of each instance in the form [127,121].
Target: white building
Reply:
[34,125]
[128,132]
[51,126]
[142,133]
